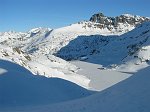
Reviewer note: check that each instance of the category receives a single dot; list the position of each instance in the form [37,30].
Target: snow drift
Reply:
[131,95]
[18,86]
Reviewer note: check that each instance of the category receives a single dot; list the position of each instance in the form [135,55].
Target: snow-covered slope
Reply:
[106,50]
[19,39]
[60,37]
[19,87]
[49,66]
[131,95]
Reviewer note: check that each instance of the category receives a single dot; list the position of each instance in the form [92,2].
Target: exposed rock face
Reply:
[103,20]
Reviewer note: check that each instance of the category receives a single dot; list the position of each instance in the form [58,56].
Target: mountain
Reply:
[48,41]
[48,66]
[19,39]
[35,49]
[119,23]
[108,54]
[60,37]
[12,45]
[108,50]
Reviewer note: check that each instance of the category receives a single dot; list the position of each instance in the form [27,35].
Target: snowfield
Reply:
[19,87]
[131,94]
[100,79]
[48,66]
[90,66]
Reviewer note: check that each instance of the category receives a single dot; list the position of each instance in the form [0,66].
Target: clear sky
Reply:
[22,15]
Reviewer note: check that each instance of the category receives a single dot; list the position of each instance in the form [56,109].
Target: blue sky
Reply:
[22,15]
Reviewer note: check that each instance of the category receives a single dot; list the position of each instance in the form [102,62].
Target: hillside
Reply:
[19,87]
[48,66]
[109,50]
[129,95]
[60,37]
[59,70]
[49,41]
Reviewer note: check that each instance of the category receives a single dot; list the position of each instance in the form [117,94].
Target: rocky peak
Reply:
[124,18]
[98,18]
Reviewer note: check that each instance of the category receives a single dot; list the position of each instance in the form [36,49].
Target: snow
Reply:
[131,94]
[100,79]
[19,87]
[36,30]
[128,15]
[48,66]
[108,50]
[33,79]
[2,71]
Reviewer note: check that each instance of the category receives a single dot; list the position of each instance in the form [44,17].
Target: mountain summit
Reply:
[114,21]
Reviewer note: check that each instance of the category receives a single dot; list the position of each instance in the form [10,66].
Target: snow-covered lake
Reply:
[99,79]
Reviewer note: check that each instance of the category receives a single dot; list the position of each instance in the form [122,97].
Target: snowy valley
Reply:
[78,68]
